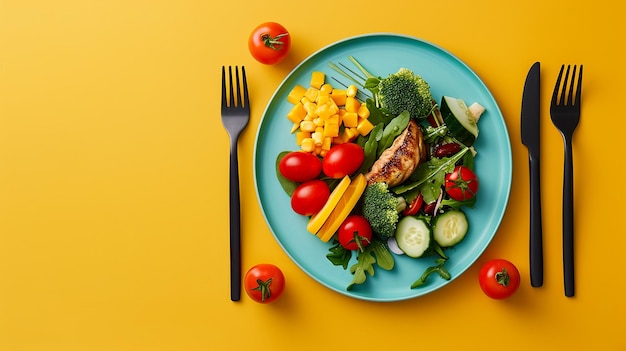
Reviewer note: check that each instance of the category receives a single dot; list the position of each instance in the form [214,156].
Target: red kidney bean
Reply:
[429,208]
[446,150]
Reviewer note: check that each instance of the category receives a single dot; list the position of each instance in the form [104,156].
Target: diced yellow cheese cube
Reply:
[322,99]
[297,113]
[352,104]
[363,111]
[296,94]
[334,119]
[349,134]
[339,96]
[350,120]
[327,144]
[365,126]
[301,136]
[317,79]
[331,130]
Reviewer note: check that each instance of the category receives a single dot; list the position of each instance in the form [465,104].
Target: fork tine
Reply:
[555,93]
[563,90]
[570,95]
[246,99]
[579,87]
[238,86]
[224,104]
[232,96]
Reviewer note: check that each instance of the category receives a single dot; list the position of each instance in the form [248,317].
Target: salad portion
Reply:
[381,170]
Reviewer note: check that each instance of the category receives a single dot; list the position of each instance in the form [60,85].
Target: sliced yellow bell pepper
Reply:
[318,219]
[343,208]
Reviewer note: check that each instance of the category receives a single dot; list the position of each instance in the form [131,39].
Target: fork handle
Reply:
[235,228]
[568,220]
[536,234]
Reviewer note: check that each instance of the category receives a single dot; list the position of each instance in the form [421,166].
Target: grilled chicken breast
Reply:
[397,163]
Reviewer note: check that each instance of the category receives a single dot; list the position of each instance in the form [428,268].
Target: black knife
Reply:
[530,138]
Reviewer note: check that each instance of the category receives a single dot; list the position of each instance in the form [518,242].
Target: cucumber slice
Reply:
[449,228]
[459,119]
[413,236]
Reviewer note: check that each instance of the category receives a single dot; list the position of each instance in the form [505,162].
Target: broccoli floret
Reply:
[405,90]
[381,208]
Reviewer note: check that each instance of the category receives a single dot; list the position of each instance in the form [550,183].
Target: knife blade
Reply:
[530,127]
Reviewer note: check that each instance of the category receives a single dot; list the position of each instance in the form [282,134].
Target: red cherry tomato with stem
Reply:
[461,184]
[309,197]
[264,283]
[499,278]
[300,166]
[342,160]
[355,233]
[269,43]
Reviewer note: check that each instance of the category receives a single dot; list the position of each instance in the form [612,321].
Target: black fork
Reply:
[565,113]
[235,117]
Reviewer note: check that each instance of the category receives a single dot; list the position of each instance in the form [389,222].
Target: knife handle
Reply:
[536,232]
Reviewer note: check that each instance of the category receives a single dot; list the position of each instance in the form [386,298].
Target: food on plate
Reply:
[382,209]
[343,208]
[317,220]
[310,197]
[398,165]
[413,236]
[461,184]
[355,233]
[323,115]
[342,160]
[460,119]
[499,278]
[269,43]
[450,227]
[403,91]
[300,166]
[264,283]
[399,161]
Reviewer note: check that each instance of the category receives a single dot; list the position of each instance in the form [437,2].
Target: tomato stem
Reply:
[272,42]
[264,288]
[503,278]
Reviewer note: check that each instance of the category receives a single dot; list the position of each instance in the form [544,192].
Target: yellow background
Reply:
[114,174]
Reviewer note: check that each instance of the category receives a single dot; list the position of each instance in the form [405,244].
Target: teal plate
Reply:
[383,54]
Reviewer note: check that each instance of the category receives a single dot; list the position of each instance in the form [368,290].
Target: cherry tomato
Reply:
[499,278]
[461,184]
[415,206]
[342,160]
[299,166]
[269,43]
[264,283]
[355,233]
[309,197]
